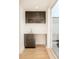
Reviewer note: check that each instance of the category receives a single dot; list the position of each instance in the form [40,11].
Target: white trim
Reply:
[51,53]
[21,51]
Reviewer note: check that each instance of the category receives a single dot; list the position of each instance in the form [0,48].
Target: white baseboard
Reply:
[53,53]
[21,50]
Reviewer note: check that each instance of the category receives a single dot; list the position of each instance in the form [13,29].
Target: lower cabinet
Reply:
[29,41]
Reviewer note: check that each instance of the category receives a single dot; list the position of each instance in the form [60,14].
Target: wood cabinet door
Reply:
[29,41]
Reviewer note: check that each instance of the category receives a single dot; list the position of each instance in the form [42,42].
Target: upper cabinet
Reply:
[35,17]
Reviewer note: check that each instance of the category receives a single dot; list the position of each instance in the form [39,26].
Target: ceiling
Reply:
[35,5]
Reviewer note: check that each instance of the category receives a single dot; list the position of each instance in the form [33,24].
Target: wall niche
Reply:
[35,17]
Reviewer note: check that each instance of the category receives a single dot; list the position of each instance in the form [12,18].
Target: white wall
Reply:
[35,28]
[48,33]
[21,37]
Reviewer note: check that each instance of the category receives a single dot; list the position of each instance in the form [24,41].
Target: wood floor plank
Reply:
[35,53]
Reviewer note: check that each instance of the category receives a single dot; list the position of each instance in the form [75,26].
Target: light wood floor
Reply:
[39,52]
